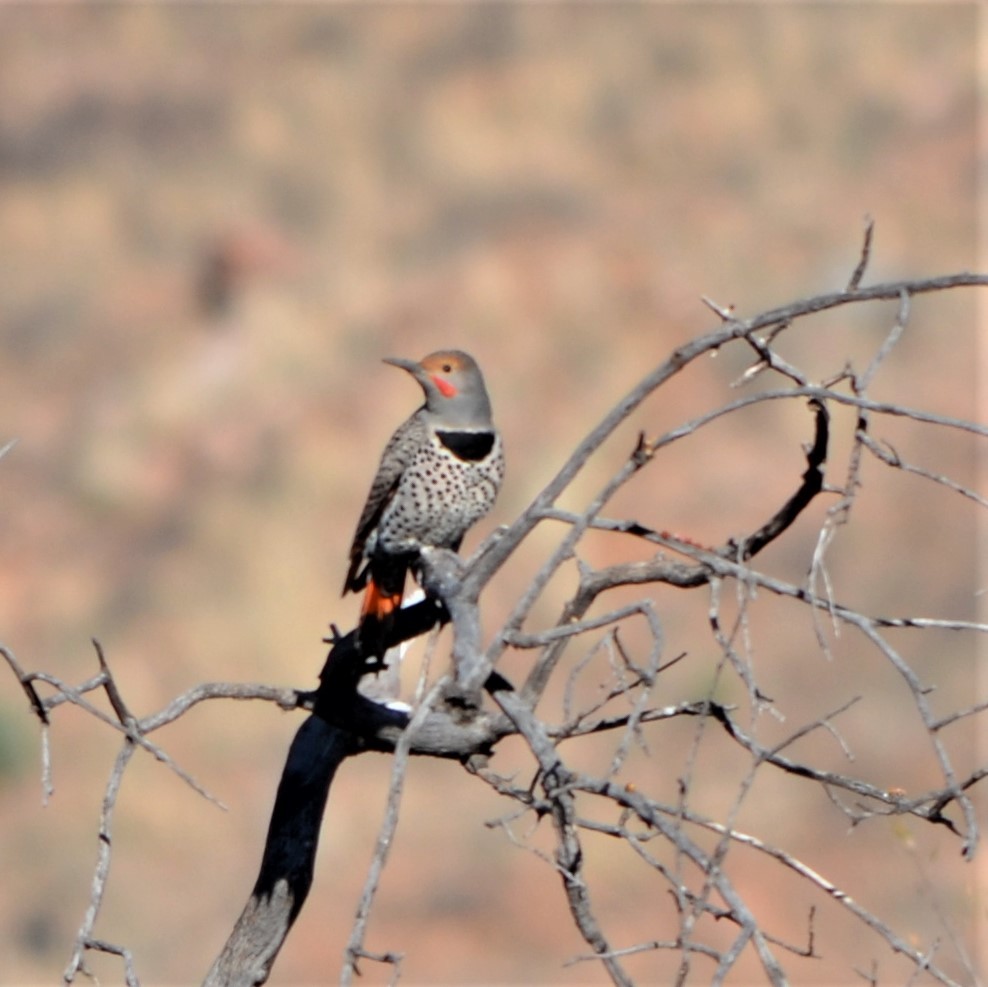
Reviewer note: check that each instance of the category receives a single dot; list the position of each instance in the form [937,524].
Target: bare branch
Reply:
[84,938]
[385,838]
[556,782]
[887,454]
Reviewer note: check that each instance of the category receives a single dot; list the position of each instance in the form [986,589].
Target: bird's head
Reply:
[455,394]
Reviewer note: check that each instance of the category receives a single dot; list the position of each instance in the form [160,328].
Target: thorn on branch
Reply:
[811,932]
[335,635]
[27,684]
[759,367]
[845,373]
[768,358]
[125,716]
[643,451]
[724,313]
[862,264]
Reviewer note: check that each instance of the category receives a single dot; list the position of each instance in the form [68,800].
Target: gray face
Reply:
[455,395]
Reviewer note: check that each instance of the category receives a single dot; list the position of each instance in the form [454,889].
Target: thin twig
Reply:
[84,937]
[385,838]
[862,264]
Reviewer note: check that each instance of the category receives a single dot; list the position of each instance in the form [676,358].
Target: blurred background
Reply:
[214,223]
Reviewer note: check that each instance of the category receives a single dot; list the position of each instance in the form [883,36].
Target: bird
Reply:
[439,474]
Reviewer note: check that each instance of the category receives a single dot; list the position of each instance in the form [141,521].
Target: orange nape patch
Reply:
[445,387]
[378,604]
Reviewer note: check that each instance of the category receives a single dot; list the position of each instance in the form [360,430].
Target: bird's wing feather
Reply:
[396,458]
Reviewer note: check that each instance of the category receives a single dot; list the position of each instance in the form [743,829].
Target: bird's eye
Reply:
[447,368]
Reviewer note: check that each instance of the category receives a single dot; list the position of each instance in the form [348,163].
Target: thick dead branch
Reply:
[289,855]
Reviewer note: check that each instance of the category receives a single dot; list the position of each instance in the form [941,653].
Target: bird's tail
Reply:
[379,603]
[382,600]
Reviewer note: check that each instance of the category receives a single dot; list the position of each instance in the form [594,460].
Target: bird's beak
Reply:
[415,369]
[433,388]
[396,361]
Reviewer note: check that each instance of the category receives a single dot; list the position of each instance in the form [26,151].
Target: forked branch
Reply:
[473,706]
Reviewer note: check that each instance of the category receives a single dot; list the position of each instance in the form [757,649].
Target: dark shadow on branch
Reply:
[343,723]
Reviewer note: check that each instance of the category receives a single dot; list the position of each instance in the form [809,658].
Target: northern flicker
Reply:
[438,475]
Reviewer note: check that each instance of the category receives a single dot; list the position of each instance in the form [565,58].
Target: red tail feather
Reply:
[378,604]
[377,616]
